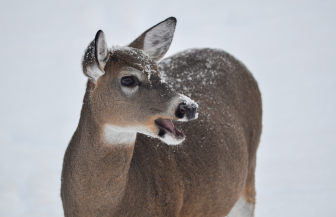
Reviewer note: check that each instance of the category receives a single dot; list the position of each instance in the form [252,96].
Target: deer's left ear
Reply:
[156,40]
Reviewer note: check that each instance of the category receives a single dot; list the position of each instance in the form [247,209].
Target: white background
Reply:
[289,45]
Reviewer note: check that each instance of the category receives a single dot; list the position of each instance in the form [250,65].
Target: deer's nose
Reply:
[187,111]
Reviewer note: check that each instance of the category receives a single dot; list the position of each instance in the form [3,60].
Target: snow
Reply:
[141,55]
[288,45]
[188,101]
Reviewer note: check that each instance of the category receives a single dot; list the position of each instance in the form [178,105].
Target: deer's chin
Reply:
[168,133]
[171,140]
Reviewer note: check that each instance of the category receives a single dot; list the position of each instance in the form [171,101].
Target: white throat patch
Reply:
[116,136]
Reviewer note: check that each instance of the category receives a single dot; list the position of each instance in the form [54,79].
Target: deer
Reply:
[172,137]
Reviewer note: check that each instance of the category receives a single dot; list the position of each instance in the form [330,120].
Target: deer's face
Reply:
[129,94]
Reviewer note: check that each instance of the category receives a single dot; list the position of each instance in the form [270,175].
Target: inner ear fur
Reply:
[156,40]
[95,57]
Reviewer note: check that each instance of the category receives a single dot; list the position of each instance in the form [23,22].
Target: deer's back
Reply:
[206,174]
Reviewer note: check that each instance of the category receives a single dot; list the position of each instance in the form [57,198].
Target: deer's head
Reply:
[128,94]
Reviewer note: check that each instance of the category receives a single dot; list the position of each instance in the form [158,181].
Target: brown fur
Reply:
[202,177]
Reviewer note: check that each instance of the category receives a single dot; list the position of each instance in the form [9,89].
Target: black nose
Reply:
[184,110]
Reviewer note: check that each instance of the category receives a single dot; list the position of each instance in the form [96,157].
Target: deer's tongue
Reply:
[168,125]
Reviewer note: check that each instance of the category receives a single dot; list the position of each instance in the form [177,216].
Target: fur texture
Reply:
[204,176]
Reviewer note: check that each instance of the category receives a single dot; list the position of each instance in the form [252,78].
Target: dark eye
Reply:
[129,81]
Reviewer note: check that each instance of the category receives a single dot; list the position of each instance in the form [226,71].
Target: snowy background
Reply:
[289,45]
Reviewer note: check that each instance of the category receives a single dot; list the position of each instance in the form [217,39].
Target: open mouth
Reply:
[167,126]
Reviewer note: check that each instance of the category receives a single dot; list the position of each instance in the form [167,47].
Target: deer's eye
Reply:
[129,81]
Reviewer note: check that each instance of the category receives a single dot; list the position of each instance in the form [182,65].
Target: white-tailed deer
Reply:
[124,158]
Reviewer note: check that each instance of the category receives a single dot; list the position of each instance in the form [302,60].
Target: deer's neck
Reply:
[97,161]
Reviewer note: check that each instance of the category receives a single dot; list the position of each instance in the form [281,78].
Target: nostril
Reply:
[184,109]
[186,112]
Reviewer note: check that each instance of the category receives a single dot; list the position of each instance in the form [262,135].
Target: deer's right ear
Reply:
[95,57]
[156,40]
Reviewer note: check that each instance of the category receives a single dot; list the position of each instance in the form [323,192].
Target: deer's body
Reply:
[211,174]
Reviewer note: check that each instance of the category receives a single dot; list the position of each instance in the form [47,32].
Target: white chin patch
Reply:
[167,138]
[170,140]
